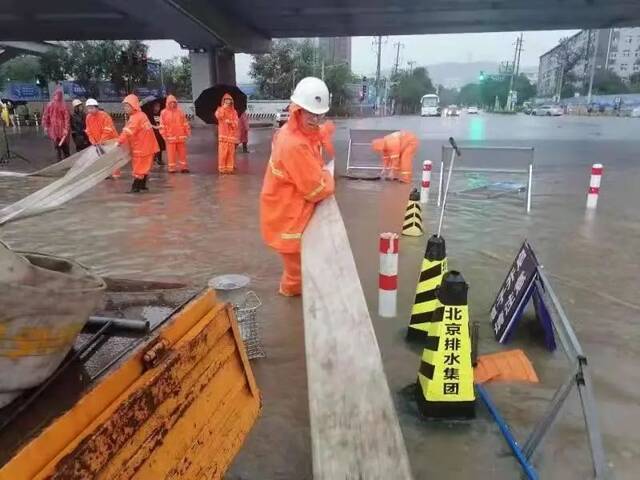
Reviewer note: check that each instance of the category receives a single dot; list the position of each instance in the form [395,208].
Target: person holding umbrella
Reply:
[227,134]
[175,129]
[56,123]
[295,180]
[138,135]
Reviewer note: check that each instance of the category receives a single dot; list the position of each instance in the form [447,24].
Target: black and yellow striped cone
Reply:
[434,266]
[412,225]
[445,379]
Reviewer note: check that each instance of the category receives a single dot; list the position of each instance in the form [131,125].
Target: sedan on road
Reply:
[452,111]
[472,110]
[548,111]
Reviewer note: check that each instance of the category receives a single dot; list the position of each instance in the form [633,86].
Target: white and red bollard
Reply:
[427,165]
[388,278]
[594,185]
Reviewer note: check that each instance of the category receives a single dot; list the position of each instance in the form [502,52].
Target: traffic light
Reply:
[482,76]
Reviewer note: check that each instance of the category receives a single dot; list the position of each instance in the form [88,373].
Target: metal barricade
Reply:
[360,155]
[493,159]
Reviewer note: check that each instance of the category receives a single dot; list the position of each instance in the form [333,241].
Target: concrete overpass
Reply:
[214,29]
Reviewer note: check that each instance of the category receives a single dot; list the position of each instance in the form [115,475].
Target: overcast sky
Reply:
[422,49]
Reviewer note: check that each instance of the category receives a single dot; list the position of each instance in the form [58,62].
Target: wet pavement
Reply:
[190,228]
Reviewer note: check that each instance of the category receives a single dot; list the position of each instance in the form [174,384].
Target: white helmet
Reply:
[91,102]
[76,102]
[312,95]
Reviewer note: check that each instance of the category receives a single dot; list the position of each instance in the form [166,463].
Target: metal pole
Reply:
[378,74]
[529,185]
[454,151]
[593,67]
[161,78]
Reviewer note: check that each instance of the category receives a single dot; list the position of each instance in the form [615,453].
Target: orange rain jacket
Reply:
[100,127]
[227,122]
[174,126]
[138,132]
[392,147]
[327,129]
[293,183]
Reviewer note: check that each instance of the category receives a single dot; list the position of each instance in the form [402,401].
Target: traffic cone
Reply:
[412,226]
[445,379]
[434,266]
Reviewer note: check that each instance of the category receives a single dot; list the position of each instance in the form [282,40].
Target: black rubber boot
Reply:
[135,186]
[143,184]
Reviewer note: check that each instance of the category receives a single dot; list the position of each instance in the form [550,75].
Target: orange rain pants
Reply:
[226,157]
[142,165]
[177,156]
[406,159]
[291,281]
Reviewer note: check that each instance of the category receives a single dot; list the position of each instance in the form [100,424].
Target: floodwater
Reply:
[190,228]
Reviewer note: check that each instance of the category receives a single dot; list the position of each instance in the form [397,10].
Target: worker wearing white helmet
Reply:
[78,125]
[100,127]
[295,180]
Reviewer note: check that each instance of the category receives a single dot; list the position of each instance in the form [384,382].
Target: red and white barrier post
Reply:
[594,185]
[388,278]
[426,181]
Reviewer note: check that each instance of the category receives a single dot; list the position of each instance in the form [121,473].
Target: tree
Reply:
[524,87]
[24,68]
[409,87]
[606,82]
[277,72]
[177,76]
[448,96]
[470,94]
[338,79]
[567,55]
[123,63]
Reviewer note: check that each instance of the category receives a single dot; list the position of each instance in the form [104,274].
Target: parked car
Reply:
[548,110]
[527,108]
[473,110]
[281,117]
[635,112]
[452,111]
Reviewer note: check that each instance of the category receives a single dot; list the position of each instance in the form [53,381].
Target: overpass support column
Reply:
[211,67]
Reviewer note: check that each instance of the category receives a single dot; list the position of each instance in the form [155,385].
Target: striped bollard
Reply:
[388,278]
[594,185]
[426,181]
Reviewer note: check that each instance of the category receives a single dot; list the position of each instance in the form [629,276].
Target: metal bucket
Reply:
[40,318]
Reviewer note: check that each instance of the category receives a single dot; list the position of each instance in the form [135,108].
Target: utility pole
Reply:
[516,59]
[378,72]
[397,64]
[593,66]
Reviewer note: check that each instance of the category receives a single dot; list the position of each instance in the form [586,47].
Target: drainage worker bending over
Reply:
[138,134]
[397,150]
[295,180]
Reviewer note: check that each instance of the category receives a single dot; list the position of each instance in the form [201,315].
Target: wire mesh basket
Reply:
[246,314]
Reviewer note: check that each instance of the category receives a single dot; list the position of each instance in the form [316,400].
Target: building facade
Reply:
[617,50]
[335,50]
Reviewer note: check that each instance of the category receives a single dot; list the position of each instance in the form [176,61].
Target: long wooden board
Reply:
[355,432]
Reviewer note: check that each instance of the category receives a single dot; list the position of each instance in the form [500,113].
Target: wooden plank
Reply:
[354,427]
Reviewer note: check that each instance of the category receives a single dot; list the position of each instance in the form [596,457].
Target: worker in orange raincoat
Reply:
[227,134]
[99,127]
[175,129]
[138,135]
[295,180]
[397,150]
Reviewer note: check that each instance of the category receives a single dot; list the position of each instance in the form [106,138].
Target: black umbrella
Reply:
[211,98]
[147,103]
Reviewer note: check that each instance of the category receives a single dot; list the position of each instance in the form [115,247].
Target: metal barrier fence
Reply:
[360,155]
[499,159]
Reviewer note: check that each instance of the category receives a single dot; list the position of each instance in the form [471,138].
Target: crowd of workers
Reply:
[296,178]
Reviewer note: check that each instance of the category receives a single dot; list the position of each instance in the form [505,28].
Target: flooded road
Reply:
[190,228]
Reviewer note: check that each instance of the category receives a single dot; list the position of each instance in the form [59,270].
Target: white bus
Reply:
[430,105]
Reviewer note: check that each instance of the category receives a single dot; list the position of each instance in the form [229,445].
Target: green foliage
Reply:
[408,89]
[277,72]
[606,82]
[24,68]
[634,83]
[177,76]
[470,94]
[123,63]
[448,96]
[337,79]
[484,94]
